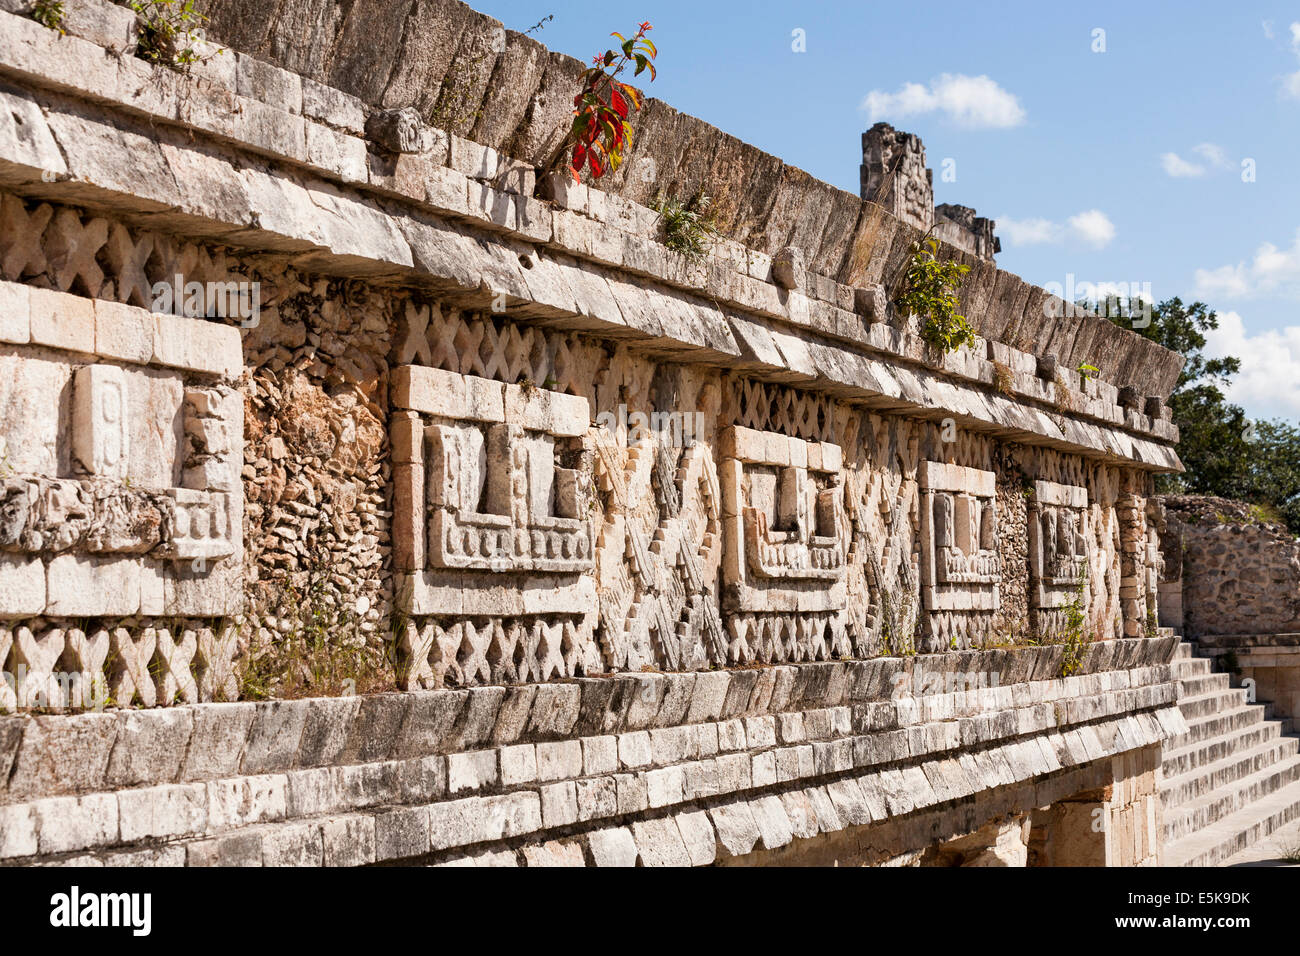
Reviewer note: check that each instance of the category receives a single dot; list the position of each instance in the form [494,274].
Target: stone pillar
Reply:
[1114,825]
[894,175]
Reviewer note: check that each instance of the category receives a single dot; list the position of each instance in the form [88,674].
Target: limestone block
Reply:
[156,427]
[15,320]
[335,152]
[401,833]
[62,321]
[299,844]
[101,439]
[29,420]
[244,801]
[476,770]
[169,811]
[554,853]
[18,833]
[734,823]
[614,846]
[659,843]
[559,760]
[86,586]
[123,332]
[103,24]
[597,798]
[22,586]
[332,106]
[447,394]
[76,823]
[270,84]
[198,345]
[351,840]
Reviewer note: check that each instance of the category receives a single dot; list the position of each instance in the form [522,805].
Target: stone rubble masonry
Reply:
[30,54]
[212,783]
[1237,574]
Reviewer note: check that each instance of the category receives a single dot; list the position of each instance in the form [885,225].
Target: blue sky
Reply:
[1117,166]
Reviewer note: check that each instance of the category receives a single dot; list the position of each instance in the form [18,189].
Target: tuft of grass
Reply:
[1074,633]
[50,14]
[1003,379]
[688,227]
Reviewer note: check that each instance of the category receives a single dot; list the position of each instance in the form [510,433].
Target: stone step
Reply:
[1203,705]
[1230,834]
[1217,725]
[1201,684]
[1200,781]
[1191,667]
[1179,761]
[1184,650]
[1187,818]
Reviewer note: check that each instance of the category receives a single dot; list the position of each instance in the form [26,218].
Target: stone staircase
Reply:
[1233,778]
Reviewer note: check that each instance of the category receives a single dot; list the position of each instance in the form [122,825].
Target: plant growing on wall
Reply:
[170,31]
[1074,630]
[688,227]
[930,292]
[601,133]
[49,13]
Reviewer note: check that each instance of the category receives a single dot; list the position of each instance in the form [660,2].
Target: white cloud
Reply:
[1272,271]
[1213,156]
[972,101]
[1268,29]
[1093,227]
[1028,232]
[1291,82]
[1268,384]
[1174,165]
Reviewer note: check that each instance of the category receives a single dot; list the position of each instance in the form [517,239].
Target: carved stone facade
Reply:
[492,528]
[505,531]
[785,562]
[121,495]
[1058,545]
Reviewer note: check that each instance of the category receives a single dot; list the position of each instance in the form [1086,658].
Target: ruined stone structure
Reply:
[368,498]
[1230,582]
[896,178]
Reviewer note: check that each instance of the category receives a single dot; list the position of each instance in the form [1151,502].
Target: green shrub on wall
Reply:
[930,293]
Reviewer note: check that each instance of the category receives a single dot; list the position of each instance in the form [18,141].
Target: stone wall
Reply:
[1237,573]
[463,71]
[839,762]
[1231,581]
[480,469]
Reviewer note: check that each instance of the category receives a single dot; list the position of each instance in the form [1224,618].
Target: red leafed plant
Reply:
[601,132]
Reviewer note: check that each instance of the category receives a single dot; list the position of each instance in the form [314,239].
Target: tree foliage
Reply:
[1225,453]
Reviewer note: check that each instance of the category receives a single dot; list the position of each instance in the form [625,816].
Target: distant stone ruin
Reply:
[896,178]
